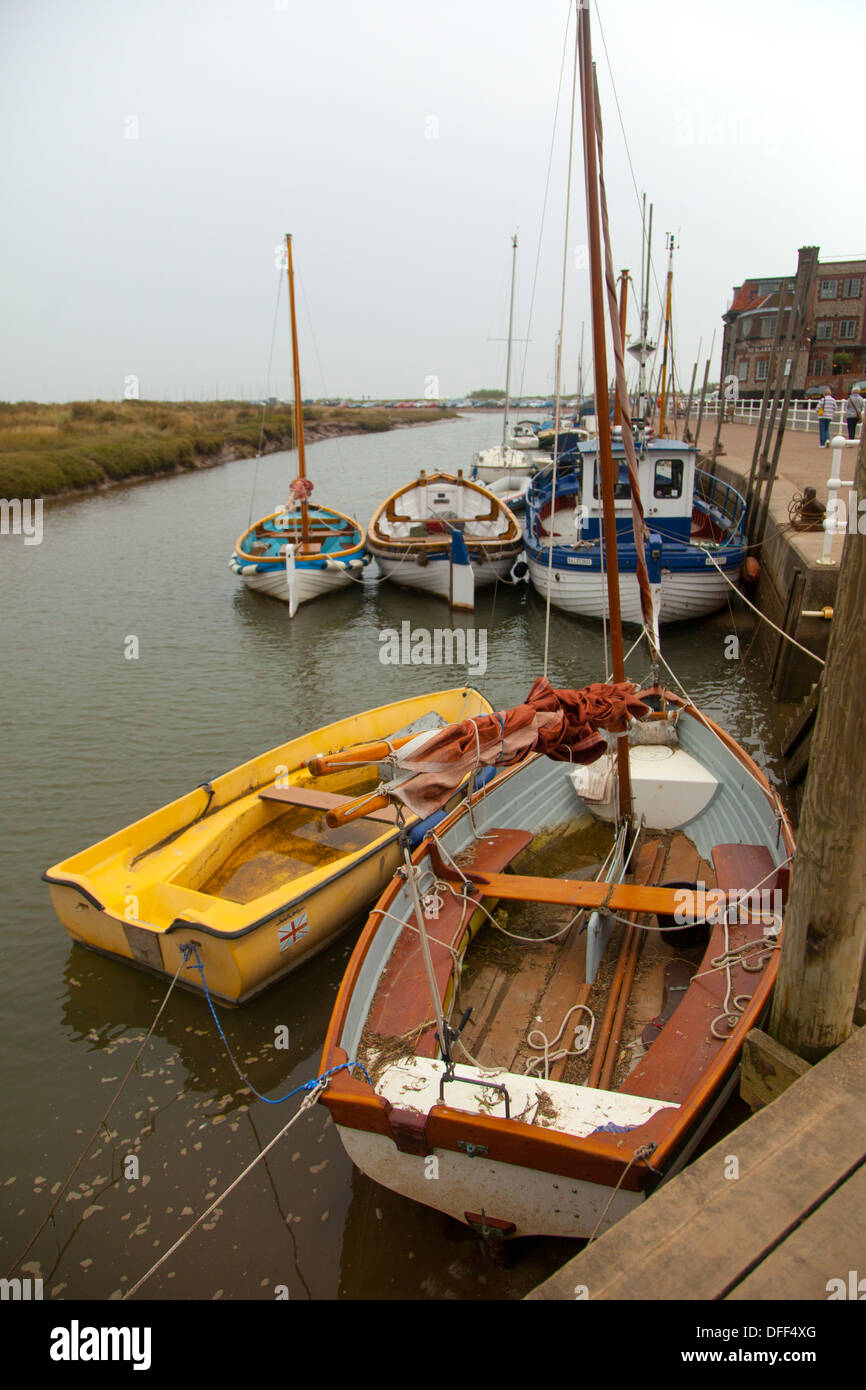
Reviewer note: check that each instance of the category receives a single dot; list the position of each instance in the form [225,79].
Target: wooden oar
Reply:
[354,810]
[323,763]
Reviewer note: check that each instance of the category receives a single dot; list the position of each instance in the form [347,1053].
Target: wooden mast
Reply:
[605,453]
[299,409]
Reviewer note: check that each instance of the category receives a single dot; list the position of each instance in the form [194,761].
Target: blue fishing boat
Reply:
[695,540]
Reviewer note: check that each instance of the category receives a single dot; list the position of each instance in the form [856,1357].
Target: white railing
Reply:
[802,415]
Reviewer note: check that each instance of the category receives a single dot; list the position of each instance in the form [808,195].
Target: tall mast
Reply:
[605,453]
[644,327]
[299,410]
[510,331]
[623,304]
[667,333]
[580,375]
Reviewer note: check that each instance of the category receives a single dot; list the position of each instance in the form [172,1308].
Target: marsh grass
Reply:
[48,449]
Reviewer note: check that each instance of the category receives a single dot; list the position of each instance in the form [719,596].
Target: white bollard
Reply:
[833,523]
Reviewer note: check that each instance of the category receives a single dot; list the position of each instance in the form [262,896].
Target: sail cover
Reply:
[563,724]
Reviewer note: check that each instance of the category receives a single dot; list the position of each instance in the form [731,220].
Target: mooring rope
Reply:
[100,1125]
[191,949]
[314,1089]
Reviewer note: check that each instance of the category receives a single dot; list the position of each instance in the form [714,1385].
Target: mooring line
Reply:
[314,1089]
[100,1125]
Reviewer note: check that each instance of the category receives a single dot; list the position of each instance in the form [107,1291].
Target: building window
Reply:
[767,327]
[817,366]
[851,288]
[769,286]
[668,478]
[742,370]
[828,289]
[824,329]
[847,328]
[761,369]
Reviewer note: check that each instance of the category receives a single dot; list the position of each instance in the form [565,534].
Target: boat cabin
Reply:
[666,472]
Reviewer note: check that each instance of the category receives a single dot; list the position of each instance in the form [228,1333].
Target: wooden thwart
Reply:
[325,801]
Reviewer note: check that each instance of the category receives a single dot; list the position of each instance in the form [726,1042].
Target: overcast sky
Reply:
[154,154]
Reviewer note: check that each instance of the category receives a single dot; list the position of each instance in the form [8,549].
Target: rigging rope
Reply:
[101,1124]
[314,1089]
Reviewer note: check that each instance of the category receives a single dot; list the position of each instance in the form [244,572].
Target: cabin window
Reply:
[621,489]
[668,478]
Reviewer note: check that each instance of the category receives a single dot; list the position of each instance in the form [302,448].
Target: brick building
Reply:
[832,349]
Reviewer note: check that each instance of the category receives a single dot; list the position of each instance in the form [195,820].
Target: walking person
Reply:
[826,416]
[854,409]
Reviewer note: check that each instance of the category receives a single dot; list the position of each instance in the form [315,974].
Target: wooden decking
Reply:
[776,1211]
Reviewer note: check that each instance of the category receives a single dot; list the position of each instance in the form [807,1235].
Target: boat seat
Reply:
[323,801]
[739,868]
[402,998]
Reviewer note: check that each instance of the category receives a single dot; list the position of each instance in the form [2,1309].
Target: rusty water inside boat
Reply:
[291,843]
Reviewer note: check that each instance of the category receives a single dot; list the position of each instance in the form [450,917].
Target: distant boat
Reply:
[300,551]
[446,535]
[524,435]
[245,865]
[694,521]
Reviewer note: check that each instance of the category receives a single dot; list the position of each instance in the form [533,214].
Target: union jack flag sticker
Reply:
[290,932]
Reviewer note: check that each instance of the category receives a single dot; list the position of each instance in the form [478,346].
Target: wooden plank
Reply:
[827,1246]
[618,897]
[323,801]
[695,1237]
[768,1069]
[402,999]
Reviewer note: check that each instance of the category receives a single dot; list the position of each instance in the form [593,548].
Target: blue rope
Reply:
[191,949]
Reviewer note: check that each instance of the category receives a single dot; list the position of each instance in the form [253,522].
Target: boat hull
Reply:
[146,891]
[527,1201]
[684,593]
[434,577]
[310,583]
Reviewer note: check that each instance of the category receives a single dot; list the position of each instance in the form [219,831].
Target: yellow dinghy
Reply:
[245,867]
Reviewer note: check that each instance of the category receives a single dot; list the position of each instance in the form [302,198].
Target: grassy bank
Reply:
[46,450]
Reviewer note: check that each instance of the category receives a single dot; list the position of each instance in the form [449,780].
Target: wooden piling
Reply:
[819,982]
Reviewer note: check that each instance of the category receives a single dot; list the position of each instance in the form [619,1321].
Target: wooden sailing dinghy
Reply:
[446,535]
[300,551]
[653,1026]
[245,865]
[540,1071]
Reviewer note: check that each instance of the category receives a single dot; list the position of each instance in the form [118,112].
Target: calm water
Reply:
[93,741]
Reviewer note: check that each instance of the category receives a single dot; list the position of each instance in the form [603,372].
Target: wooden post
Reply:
[701,406]
[686,431]
[825,924]
[768,386]
[799,309]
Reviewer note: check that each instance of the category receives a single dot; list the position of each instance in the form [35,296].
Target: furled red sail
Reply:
[563,724]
